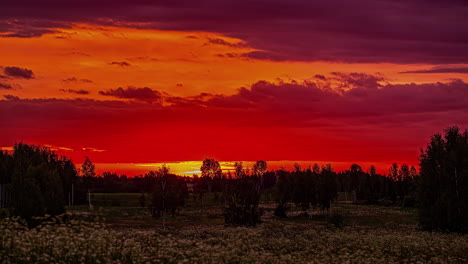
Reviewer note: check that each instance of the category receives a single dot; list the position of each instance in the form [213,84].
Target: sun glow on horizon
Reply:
[190,168]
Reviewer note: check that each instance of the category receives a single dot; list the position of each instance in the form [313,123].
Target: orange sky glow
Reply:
[133,98]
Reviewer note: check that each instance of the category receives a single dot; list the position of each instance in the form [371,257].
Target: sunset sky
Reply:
[134,84]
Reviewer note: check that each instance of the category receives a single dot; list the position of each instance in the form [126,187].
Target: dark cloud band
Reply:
[368,31]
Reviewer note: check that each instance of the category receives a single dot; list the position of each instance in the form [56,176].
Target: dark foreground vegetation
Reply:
[196,234]
[167,218]
[39,182]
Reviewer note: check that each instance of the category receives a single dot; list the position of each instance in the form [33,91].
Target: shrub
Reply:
[280,210]
[242,216]
[409,201]
[336,220]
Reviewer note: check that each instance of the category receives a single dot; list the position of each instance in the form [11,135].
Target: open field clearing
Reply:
[121,234]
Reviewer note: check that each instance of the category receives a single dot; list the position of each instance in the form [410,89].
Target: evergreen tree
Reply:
[38,181]
[443,184]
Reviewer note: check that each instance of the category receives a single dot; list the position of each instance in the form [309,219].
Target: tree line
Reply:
[35,181]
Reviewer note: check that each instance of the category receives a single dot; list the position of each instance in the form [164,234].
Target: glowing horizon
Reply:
[180,168]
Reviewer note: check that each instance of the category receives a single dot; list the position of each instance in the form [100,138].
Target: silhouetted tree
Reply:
[443,184]
[304,187]
[327,189]
[6,170]
[169,193]
[210,168]
[88,174]
[38,181]
[283,190]
[242,194]
[356,175]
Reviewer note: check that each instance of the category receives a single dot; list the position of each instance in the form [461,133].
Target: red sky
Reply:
[134,84]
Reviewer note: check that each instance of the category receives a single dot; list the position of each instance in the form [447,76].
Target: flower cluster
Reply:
[79,241]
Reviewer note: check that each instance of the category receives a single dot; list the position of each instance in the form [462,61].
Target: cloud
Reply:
[358,80]
[255,55]
[27,33]
[11,97]
[17,72]
[320,77]
[142,58]
[366,31]
[92,149]
[223,42]
[441,70]
[144,94]
[11,27]
[120,63]
[5,86]
[54,148]
[274,120]
[265,55]
[82,92]
[365,97]
[75,80]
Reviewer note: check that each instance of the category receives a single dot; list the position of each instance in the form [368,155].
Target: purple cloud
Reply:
[120,63]
[144,94]
[441,70]
[357,80]
[395,120]
[10,97]
[5,86]
[76,80]
[223,42]
[368,31]
[82,92]
[17,72]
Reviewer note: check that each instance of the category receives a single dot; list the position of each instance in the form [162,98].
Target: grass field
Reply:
[128,234]
[208,210]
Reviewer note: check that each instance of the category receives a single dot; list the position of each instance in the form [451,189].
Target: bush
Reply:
[409,201]
[385,202]
[242,195]
[280,211]
[242,216]
[336,220]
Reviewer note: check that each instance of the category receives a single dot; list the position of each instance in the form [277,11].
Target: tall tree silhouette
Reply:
[328,188]
[210,168]
[443,188]
[242,195]
[259,170]
[88,174]
[38,181]
[169,193]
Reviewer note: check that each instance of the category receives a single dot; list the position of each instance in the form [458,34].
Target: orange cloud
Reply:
[180,100]
[160,60]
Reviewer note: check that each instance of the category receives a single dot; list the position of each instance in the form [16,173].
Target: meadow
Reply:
[128,234]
